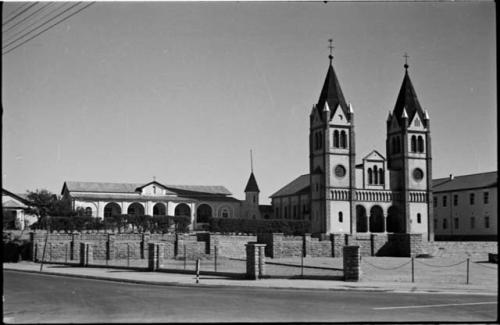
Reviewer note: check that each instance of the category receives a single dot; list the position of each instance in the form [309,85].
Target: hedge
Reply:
[141,223]
[288,227]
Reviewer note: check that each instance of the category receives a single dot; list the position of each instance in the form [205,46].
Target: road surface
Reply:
[38,298]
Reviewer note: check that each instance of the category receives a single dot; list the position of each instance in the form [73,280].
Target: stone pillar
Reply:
[352,263]
[86,254]
[255,260]
[155,256]
[144,244]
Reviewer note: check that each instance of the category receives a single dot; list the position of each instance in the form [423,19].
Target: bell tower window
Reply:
[370,176]
[336,140]
[375,174]
[420,144]
[413,143]
[343,139]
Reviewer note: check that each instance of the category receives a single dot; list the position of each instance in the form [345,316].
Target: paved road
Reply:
[35,298]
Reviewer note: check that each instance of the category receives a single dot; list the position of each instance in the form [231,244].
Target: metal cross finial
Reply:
[406,60]
[331,47]
[251,161]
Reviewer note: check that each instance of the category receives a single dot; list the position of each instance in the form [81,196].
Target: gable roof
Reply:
[252,184]
[373,155]
[298,186]
[331,93]
[407,101]
[465,182]
[23,198]
[100,187]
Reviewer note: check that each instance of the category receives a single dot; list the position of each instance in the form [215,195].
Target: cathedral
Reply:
[381,194]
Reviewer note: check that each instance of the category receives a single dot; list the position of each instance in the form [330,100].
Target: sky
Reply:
[181,92]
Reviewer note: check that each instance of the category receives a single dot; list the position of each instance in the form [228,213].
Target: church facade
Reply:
[382,193]
[199,202]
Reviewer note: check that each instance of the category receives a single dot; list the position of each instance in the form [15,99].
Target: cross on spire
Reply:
[406,60]
[331,47]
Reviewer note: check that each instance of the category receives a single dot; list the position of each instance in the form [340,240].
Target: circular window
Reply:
[418,174]
[340,171]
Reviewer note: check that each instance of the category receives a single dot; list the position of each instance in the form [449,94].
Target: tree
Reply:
[47,203]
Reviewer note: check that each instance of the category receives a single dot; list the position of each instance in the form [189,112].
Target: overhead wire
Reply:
[17,15]
[8,39]
[49,27]
[26,18]
[15,11]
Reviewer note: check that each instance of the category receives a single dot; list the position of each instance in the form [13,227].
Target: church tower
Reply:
[408,148]
[331,159]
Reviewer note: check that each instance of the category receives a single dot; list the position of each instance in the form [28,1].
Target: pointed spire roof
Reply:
[252,184]
[332,93]
[407,100]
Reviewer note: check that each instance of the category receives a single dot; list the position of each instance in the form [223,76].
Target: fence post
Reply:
[198,271]
[412,269]
[66,253]
[50,252]
[185,258]
[468,259]
[215,258]
[302,263]
[128,255]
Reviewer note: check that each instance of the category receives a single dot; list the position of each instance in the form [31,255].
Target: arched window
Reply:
[419,218]
[420,144]
[343,139]
[381,176]
[225,213]
[413,143]
[341,217]
[370,176]
[375,175]
[88,211]
[336,140]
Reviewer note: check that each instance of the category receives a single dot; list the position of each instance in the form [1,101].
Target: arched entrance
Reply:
[203,213]
[376,219]
[394,222]
[182,210]
[112,209]
[135,209]
[159,209]
[361,224]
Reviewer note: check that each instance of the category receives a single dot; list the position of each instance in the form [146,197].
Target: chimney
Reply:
[451,177]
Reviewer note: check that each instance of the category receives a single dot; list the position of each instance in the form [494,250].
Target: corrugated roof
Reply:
[73,186]
[331,93]
[252,184]
[407,100]
[13,205]
[465,182]
[298,185]
[128,197]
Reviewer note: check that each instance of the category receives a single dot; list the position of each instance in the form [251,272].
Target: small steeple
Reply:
[426,115]
[350,110]
[252,183]
[326,108]
[404,115]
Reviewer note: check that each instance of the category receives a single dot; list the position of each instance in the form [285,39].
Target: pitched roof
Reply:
[465,182]
[131,188]
[407,101]
[331,93]
[13,204]
[23,198]
[297,186]
[252,184]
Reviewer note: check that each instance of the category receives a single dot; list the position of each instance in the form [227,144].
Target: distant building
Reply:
[380,194]
[466,207]
[200,203]
[16,206]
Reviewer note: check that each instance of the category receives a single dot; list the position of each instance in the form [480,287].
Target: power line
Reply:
[8,39]
[14,12]
[58,22]
[19,14]
[25,18]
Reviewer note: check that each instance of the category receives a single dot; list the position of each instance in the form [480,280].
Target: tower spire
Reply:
[331,47]
[251,161]
[406,61]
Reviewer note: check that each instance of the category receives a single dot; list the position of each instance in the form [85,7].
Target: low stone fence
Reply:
[112,246]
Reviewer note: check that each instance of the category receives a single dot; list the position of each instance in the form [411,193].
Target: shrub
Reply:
[288,227]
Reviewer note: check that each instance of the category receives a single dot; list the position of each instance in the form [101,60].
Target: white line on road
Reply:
[442,305]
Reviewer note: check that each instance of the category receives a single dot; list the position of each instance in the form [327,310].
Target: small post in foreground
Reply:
[468,259]
[412,269]
[198,271]
[352,263]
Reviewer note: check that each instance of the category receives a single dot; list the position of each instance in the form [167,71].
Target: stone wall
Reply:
[202,245]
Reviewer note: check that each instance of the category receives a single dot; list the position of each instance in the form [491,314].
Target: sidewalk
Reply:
[179,279]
